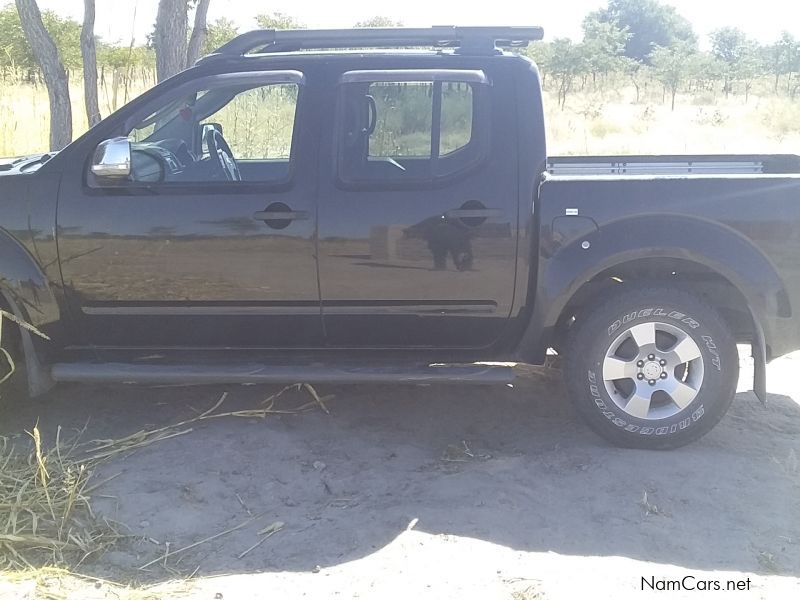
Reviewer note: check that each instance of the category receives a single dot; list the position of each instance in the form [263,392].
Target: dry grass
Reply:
[45,510]
[50,583]
[615,124]
[25,113]
[46,516]
[608,121]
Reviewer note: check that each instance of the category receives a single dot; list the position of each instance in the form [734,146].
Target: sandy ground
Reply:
[379,501]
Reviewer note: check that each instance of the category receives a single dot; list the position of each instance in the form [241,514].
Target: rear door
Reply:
[418,223]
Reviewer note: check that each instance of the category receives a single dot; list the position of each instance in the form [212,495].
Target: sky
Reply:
[117,20]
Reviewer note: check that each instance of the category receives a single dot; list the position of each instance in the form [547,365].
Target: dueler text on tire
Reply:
[651,367]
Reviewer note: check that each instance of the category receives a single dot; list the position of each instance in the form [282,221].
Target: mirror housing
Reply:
[112,159]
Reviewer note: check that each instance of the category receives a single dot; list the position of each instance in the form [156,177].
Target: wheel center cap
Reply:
[651,370]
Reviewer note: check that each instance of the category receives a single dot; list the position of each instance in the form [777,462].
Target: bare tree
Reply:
[89,54]
[199,32]
[169,39]
[55,77]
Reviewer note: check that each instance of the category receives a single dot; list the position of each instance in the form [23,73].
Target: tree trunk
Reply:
[199,33]
[55,77]
[169,38]
[89,54]
[114,88]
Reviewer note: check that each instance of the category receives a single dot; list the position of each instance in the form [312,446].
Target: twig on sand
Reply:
[267,532]
[198,543]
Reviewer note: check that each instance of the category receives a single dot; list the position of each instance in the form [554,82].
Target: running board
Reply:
[88,372]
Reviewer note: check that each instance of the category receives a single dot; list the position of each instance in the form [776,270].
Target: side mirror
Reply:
[112,159]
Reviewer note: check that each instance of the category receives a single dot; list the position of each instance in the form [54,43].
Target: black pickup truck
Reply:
[378,205]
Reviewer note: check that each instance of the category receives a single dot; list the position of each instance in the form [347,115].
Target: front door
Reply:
[418,225]
[211,240]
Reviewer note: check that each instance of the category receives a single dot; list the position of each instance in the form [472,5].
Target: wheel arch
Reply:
[698,254]
[26,293]
[24,284]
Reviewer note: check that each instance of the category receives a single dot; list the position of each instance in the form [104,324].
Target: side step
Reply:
[238,373]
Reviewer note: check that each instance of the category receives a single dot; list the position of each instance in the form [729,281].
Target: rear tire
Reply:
[651,367]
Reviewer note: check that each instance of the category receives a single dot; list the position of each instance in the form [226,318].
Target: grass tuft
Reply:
[46,516]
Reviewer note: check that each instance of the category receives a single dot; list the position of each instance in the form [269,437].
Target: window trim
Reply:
[259,78]
[481,125]
[219,80]
[475,76]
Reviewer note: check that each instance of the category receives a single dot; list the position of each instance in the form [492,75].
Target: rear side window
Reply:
[410,130]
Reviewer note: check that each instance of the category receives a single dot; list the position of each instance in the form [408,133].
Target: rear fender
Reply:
[567,264]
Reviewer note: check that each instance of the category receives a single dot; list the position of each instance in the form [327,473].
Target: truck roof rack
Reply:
[467,40]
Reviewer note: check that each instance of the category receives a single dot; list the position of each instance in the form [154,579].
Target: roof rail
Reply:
[467,40]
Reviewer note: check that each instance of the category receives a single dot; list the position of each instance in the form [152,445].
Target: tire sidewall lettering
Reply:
[620,420]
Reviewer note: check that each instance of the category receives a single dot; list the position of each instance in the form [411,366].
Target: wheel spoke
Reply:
[615,368]
[639,403]
[681,394]
[676,373]
[684,351]
[644,335]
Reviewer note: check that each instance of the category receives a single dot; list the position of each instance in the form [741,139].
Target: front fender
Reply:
[24,284]
[27,293]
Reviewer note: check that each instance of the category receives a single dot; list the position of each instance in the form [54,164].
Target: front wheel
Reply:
[651,367]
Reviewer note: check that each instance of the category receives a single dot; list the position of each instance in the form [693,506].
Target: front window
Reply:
[239,131]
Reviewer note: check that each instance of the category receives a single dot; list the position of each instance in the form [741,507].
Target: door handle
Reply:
[473,213]
[274,215]
[279,215]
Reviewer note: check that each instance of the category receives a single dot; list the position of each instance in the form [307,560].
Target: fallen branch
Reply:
[196,544]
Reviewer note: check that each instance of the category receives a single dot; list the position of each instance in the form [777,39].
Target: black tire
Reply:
[16,386]
[609,405]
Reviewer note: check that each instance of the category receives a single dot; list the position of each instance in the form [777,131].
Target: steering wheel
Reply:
[221,155]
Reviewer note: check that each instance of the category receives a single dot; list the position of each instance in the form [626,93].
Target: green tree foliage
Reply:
[738,55]
[220,32]
[641,43]
[603,46]
[783,58]
[542,54]
[278,20]
[649,23]
[16,53]
[568,61]
[125,57]
[637,73]
[673,66]
[379,21]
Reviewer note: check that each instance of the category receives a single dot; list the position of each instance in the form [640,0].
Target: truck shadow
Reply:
[510,466]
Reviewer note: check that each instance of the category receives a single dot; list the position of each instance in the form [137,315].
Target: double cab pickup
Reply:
[378,205]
